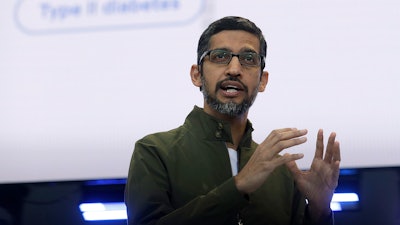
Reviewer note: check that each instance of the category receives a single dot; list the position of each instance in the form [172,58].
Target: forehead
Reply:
[235,40]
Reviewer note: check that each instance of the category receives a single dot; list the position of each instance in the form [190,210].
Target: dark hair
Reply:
[230,23]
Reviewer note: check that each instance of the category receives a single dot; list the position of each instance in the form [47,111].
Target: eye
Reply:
[219,56]
[249,58]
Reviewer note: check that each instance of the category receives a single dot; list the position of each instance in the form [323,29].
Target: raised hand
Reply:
[265,158]
[318,184]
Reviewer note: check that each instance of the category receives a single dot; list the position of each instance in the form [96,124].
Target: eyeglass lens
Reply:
[224,57]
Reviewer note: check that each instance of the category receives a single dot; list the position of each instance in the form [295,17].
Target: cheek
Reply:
[253,89]
[254,82]
[210,77]
[209,83]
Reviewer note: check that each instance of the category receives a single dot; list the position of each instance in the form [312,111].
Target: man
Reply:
[209,170]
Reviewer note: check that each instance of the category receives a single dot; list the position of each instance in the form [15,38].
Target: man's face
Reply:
[231,89]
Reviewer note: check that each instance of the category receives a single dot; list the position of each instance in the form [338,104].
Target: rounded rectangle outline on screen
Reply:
[61,16]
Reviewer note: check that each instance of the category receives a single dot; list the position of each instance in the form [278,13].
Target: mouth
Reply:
[231,86]
[231,89]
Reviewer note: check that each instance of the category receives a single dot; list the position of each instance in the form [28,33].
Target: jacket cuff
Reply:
[229,194]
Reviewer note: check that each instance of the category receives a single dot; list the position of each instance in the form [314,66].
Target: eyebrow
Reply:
[245,49]
[225,49]
[248,50]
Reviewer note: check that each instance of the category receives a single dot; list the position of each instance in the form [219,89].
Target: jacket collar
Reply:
[214,129]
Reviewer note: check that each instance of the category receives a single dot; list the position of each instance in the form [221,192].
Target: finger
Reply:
[281,139]
[289,143]
[280,146]
[285,134]
[330,147]
[289,159]
[284,130]
[335,175]
[293,168]
[319,149]
[336,152]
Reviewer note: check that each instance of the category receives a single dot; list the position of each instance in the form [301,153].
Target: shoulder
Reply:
[162,138]
[163,142]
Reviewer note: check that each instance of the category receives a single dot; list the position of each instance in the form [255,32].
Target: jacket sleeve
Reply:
[147,195]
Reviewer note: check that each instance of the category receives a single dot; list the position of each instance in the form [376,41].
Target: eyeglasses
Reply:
[220,56]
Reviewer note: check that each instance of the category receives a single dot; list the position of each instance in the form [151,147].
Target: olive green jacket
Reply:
[184,176]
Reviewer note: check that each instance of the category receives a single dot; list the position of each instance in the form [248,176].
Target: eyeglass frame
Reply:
[208,52]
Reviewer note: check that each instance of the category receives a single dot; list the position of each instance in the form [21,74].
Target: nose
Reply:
[234,67]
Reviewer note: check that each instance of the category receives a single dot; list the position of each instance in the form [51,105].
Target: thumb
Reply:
[293,168]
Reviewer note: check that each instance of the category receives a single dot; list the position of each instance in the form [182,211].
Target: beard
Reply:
[230,108]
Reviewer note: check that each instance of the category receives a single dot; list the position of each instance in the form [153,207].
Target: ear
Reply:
[195,75]
[263,81]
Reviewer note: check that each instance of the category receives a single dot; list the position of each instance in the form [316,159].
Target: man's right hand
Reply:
[266,158]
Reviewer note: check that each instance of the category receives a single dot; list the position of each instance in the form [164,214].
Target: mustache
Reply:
[219,84]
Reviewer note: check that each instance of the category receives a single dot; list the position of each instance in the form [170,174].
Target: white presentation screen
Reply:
[82,80]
